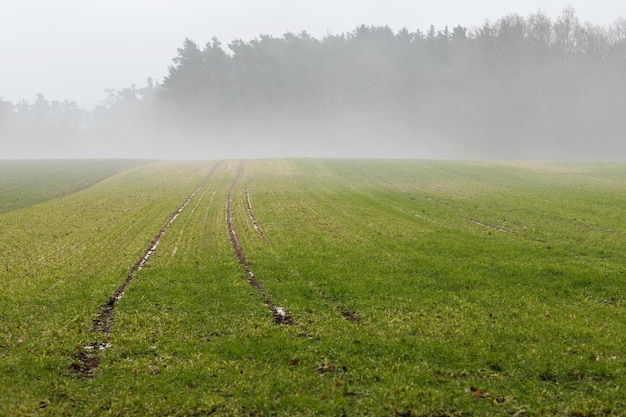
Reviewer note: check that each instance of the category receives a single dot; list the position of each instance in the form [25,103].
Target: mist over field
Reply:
[525,88]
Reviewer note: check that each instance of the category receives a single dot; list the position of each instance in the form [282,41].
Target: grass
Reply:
[449,297]
[419,288]
[24,183]
[61,259]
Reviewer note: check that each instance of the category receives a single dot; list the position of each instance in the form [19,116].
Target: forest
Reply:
[518,88]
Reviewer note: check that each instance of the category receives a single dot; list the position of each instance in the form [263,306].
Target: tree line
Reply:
[508,88]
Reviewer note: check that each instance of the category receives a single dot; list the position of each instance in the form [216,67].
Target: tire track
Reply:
[490,226]
[253,219]
[87,358]
[279,314]
[334,304]
[104,321]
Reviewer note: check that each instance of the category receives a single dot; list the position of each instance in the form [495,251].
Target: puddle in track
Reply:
[86,359]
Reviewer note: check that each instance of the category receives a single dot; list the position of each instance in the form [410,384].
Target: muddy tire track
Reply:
[87,358]
[333,303]
[253,219]
[348,314]
[279,314]
[104,321]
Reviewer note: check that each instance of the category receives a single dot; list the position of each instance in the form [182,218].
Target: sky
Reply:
[75,49]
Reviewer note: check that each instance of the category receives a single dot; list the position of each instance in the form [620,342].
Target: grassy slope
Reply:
[62,259]
[24,183]
[506,278]
[447,303]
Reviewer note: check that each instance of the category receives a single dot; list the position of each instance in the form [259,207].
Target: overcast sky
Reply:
[74,49]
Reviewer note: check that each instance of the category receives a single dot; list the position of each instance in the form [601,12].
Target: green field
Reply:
[412,288]
[23,183]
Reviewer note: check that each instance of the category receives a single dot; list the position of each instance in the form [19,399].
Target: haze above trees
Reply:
[519,88]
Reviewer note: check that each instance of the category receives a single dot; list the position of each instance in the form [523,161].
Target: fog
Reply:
[518,88]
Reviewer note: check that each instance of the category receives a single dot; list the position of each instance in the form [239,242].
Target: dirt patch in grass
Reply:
[279,314]
[84,363]
[349,315]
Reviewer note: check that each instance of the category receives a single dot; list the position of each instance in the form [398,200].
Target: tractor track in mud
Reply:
[87,358]
[279,314]
[253,219]
[346,313]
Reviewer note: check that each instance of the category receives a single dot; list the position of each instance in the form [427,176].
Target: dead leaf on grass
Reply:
[478,393]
